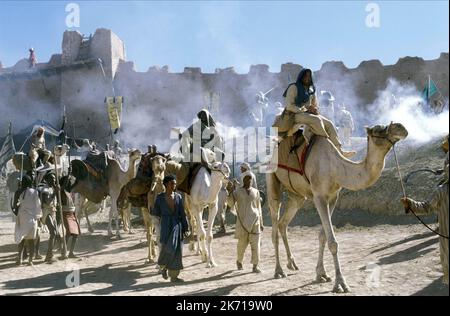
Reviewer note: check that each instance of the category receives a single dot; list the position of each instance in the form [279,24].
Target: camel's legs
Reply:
[221,214]
[90,229]
[209,236]
[325,216]
[113,212]
[156,225]
[201,233]
[274,198]
[193,226]
[126,218]
[294,204]
[103,205]
[321,273]
[80,210]
[146,217]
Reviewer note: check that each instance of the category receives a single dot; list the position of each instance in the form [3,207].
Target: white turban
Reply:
[246,166]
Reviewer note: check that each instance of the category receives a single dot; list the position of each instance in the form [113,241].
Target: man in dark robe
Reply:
[169,207]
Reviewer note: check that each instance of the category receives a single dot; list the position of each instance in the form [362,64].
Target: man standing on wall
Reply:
[32,59]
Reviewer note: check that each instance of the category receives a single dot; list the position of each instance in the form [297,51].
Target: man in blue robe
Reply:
[169,208]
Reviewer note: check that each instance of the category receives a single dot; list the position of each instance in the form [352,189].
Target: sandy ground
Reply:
[379,260]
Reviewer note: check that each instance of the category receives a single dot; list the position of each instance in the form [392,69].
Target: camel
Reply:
[116,179]
[125,214]
[194,244]
[222,208]
[204,193]
[152,225]
[328,172]
[150,222]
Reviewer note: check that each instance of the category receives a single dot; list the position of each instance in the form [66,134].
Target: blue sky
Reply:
[220,34]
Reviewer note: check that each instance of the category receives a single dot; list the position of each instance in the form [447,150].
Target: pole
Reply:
[58,189]
[399,173]
[234,159]
[429,83]
[404,195]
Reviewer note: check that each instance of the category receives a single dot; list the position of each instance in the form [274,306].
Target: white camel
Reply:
[328,172]
[204,193]
[194,244]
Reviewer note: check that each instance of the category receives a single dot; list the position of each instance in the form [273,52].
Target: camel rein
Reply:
[409,209]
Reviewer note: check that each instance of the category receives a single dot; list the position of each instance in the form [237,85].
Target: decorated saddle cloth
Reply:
[98,160]
[293,152]
[93,167]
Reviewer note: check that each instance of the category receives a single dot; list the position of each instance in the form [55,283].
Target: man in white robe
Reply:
[27,222]
[249,223]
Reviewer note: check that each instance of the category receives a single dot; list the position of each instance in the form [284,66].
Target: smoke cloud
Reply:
[404,104]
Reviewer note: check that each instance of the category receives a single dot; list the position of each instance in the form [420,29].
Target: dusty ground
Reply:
[379,260]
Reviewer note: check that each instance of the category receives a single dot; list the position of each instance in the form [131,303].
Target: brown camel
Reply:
[116,179]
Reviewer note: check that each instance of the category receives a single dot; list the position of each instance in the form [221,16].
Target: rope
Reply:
[404,195]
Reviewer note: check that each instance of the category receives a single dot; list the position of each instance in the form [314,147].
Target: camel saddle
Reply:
[135,191]
[94,166]
[293,152]
[92,172]
[20,159]
[84,171]
[98,160]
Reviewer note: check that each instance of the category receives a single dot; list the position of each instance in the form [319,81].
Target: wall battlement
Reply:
[74,80]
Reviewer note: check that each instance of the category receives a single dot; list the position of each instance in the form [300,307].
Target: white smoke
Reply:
[409,109]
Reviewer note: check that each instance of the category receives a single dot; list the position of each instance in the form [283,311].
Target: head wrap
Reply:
[302,93]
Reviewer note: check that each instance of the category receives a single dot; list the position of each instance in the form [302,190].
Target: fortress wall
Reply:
[157,100]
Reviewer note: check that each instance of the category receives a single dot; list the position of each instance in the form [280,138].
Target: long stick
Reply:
[58,188]
[399,173]
[404,195]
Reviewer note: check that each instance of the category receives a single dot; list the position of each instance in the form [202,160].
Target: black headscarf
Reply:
[27,182]
[168,178]
[206,118]
[302,93]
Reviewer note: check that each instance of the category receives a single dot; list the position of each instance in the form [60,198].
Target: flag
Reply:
[114,107]
[429,90]
[8,149]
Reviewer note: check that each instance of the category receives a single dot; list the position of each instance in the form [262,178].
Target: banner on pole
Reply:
[114,108]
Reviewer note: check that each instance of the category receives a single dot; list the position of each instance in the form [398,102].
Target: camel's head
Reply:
[60,150]
[158,164]
[392,133]
[222,168]
[134,154]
